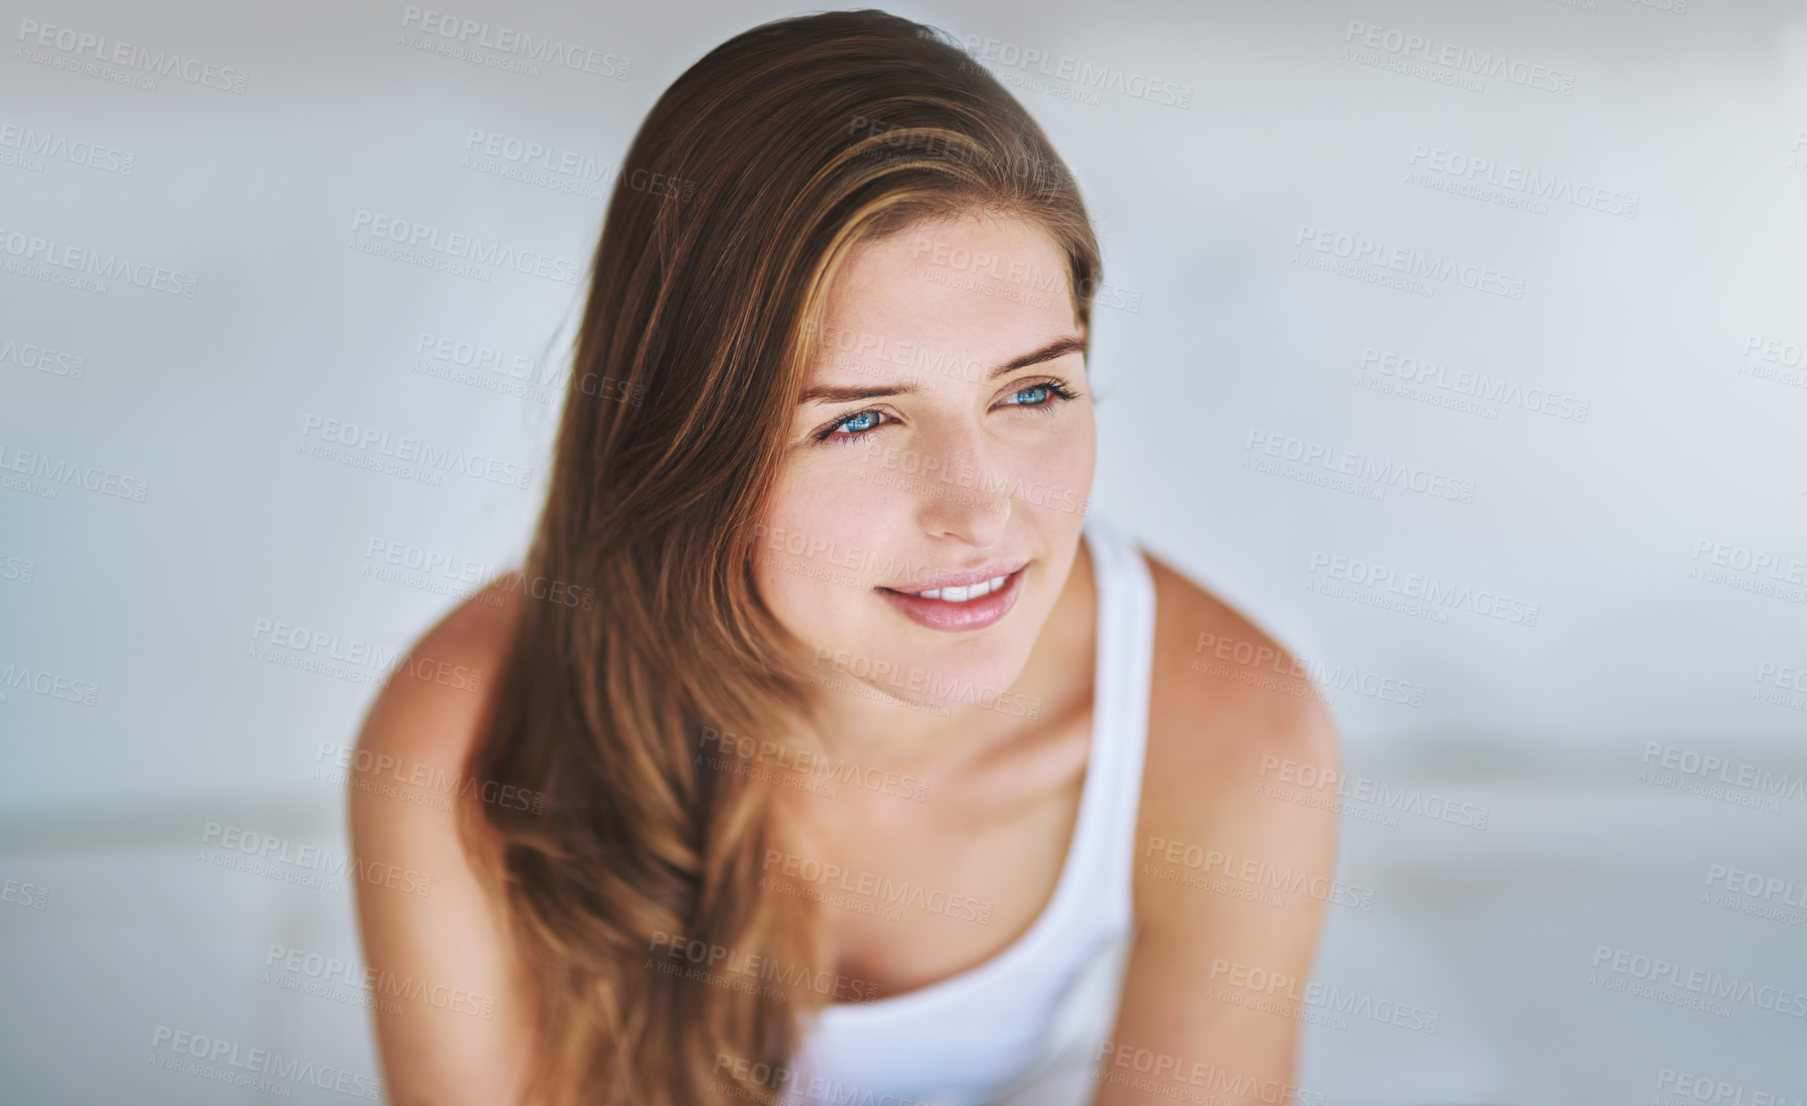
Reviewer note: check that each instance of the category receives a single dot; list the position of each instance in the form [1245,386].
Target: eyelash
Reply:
[1057,389]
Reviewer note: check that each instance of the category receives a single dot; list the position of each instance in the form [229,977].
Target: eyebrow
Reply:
[826,393]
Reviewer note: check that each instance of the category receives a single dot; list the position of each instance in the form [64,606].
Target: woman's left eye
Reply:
[1041,395]
[1047,396]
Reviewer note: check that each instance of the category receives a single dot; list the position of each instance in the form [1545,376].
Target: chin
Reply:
[941,664]
[942,637]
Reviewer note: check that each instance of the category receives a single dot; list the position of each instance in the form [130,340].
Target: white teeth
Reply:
[961,595]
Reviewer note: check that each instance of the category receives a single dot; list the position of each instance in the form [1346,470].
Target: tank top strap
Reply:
[1120,712]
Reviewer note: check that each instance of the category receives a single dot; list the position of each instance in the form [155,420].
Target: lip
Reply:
[974,614]
[968,578]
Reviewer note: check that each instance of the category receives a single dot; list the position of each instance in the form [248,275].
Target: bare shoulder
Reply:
[1230,877]
[1224,694]
[458,1030]
[442,689]
[1229,714]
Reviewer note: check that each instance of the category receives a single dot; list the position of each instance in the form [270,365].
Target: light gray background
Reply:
[1700,113]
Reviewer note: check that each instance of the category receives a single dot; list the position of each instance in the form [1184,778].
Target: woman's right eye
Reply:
[853,426]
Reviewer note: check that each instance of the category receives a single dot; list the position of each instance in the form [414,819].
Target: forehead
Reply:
[977,289]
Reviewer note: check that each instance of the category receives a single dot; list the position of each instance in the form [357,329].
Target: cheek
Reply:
[1078,461]
[817,541]
[825,507]
[1056,474]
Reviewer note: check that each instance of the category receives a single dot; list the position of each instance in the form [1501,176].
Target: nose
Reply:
[961,496]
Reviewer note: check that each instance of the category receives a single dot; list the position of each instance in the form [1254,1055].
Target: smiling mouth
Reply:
[959,607]
[959,594]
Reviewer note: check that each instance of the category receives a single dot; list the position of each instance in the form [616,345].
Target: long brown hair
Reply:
[748,183]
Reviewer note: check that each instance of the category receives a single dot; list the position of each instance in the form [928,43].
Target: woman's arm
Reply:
[453,1012]
[1221,964]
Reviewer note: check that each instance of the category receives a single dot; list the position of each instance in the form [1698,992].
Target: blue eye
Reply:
[1042,397]
[856,425]
[1046,393]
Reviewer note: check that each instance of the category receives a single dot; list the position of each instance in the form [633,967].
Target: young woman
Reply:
[825,750]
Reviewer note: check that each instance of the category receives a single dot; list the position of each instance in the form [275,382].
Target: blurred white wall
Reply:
[1545,260]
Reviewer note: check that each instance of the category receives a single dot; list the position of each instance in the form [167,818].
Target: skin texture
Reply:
[1000,777]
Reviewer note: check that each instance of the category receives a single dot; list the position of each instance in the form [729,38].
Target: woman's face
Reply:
[936,444]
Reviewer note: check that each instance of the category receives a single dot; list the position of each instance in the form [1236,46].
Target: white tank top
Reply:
[1025,1026]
